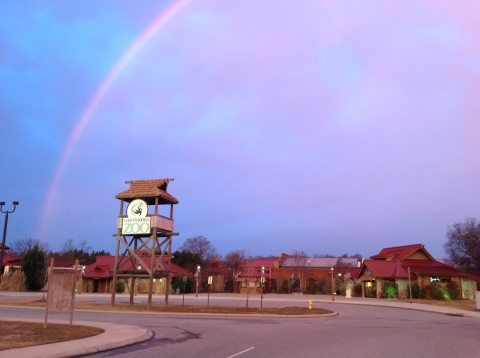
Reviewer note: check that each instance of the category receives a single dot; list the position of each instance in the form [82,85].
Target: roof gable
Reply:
[416,251]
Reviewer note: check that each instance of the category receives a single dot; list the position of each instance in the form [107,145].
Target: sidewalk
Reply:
[452,311]
[115,336]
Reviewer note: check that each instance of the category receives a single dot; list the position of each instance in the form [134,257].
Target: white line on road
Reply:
[244,351]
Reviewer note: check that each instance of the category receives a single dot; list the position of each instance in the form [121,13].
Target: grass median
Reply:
[16,334]
[174,308]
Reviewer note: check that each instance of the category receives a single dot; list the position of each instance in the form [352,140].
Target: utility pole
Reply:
[5,225]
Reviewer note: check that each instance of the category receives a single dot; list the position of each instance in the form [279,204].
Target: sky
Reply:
[330,127]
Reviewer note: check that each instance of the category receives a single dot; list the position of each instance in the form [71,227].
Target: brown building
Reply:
[290,274]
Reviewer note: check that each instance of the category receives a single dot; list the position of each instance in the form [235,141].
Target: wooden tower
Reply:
[144,232]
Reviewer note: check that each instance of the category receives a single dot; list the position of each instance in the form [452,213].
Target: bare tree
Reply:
[20,247]
[235,260]
[201,246]
[463,244]
[300,259]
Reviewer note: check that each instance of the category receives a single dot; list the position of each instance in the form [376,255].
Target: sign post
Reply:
[184,279]
[210,282]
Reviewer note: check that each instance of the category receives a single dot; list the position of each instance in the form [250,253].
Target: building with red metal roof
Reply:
[98,276]
[414,264]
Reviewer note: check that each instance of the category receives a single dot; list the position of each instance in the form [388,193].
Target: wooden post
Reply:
[133,278]
[167,288]
[73,291]
[168,278]
[410,284]
[117,253]
[152,268]
[115,267]
[46,306]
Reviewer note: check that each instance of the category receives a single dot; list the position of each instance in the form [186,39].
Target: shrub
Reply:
[311,287]
[12,281]
[416,292]
[453,290]
[177,283]
[285,286]
[120,287]
[390,289]
[439,292]
[357,290]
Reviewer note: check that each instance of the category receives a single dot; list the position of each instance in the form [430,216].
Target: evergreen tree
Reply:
[34,268]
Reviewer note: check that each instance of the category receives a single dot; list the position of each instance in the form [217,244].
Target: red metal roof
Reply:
[253,268]
[399,269]
[380,268]
[399,252]
[11,260]
[103,266]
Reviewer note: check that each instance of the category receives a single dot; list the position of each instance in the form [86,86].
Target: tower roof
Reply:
[148,190]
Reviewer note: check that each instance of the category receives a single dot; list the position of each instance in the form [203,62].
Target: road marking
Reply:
[244,351]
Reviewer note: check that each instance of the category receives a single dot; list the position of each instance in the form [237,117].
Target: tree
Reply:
[78,251]
[20,247]
[300,259]
[71,250]
[186,259]
[201,246]
[235,260]
[463,244]
[34,268]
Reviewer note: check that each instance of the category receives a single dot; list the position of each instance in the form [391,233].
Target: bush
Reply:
[390,289]
[12,281]
[285,286]
[120,287]
[357,290]
[439,292]
[177,283]
[311,287]
[453,290]
[416,292]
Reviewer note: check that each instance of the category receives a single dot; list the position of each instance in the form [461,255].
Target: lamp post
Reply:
[331,274]
[197,275]
[262,285]
[6,212]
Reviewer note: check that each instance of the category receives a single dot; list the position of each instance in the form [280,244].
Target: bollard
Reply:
[310,304]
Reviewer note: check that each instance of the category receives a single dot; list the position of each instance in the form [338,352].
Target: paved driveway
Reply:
[358,331]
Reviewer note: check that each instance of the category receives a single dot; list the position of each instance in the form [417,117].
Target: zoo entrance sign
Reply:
[137,222]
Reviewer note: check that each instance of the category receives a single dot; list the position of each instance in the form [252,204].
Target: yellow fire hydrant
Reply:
[310,304]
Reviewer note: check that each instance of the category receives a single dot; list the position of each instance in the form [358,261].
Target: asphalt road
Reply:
[358,331]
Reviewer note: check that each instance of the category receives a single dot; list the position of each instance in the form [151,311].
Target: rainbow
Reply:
[160,21]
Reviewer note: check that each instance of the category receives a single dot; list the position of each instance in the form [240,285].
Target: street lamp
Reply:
[6,212]
[262,284]
[197,274]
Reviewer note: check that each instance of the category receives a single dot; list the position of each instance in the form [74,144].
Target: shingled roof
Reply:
[148,190]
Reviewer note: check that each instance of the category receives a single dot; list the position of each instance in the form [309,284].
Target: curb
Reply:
[115,336]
